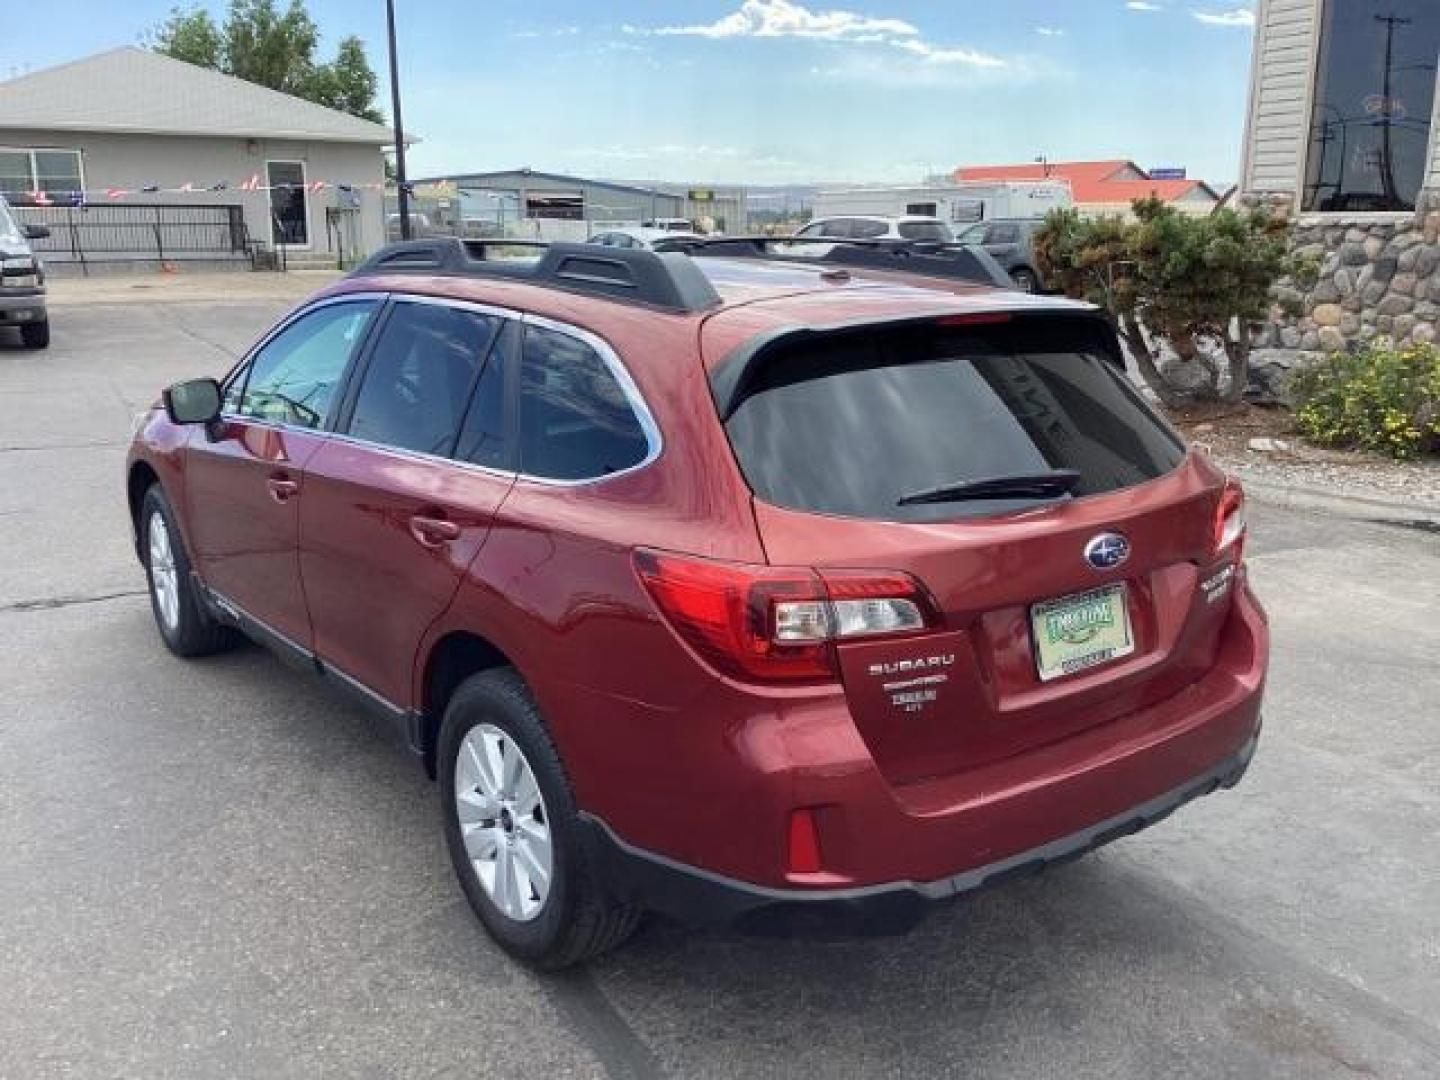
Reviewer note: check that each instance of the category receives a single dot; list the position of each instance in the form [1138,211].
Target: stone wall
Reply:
[1379,278]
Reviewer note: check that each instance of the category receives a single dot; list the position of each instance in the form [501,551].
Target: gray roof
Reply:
[480,179]
[137,91]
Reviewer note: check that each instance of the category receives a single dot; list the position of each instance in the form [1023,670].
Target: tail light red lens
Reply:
[778,624]
[1230,521]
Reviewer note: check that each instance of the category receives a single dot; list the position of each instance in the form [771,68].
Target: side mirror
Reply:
[35,232]
[195,401]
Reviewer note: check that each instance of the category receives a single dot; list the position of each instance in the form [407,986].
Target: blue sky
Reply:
[771,91]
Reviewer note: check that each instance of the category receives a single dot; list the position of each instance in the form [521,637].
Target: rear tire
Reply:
[35,335]
[500,772]
[186,625]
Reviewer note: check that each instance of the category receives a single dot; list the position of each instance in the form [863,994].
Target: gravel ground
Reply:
[1413,482]
[1226,435]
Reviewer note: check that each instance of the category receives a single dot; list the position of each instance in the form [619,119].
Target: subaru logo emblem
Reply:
[1107,551]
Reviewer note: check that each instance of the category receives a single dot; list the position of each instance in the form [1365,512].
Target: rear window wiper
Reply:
[1045,485]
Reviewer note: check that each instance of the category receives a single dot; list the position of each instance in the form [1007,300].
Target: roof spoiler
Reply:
[735,377]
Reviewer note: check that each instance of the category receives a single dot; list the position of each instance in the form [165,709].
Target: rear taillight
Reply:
[778,624]
[1230,522]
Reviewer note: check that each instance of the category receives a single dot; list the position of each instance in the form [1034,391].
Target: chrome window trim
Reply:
[654,440]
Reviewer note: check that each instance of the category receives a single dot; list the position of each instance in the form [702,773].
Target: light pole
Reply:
[400,180]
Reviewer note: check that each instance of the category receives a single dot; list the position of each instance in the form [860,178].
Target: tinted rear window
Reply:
[853,423]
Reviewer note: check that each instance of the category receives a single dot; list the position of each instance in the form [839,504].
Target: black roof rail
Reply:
[665,280]
[954,262]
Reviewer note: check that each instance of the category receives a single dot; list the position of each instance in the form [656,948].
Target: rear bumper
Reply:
[21,307]
[699,897]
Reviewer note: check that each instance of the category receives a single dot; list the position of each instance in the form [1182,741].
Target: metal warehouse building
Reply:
[497,202]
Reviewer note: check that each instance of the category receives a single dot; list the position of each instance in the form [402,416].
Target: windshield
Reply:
[855,424]
[9,228]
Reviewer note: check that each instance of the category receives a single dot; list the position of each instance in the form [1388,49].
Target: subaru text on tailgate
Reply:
[738,585]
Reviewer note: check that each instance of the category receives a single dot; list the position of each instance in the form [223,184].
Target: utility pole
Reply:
[1387,161]
[401,183]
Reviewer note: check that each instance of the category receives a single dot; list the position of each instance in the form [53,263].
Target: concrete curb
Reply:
[1348,506]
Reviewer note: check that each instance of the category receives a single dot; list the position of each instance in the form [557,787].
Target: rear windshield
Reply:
[853,423]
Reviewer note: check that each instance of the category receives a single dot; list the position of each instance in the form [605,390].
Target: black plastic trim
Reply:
[701,897]
[948,262]
[665,280]
[291,652]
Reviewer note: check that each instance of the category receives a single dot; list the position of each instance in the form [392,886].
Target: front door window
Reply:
[289,220]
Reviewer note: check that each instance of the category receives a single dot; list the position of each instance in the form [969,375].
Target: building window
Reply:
[1374,98]
[23,171]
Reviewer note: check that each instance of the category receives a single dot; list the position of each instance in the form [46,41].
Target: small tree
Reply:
[261,44]
[1200,285]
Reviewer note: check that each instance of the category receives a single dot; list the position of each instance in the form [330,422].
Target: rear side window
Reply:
[1004,234]
[852,425]
[576,422]
[861,229]
[937,231]
[425,364]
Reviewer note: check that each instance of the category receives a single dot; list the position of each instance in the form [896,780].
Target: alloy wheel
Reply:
[503,822]
[164,578]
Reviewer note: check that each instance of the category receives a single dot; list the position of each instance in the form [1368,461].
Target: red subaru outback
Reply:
[744,587]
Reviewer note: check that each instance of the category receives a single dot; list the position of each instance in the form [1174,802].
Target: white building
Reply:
[114,124]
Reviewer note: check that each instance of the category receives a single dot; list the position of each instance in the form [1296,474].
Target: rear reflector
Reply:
[804,848]
[778,624]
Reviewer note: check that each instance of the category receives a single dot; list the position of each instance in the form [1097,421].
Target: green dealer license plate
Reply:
[1078,632]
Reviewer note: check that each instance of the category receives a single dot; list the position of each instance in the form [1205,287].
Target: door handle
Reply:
[282,488]
[433,531]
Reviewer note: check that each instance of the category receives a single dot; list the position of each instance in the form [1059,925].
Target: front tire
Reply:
[513,832]
[35,335]
[185,624]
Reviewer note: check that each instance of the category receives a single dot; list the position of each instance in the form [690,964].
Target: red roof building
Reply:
[1103,186]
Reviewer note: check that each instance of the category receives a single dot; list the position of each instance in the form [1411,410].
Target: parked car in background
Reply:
[420,225]
[670,224]
[867,227]
[634,238]
[1011,242]
[727,586]
[22,280]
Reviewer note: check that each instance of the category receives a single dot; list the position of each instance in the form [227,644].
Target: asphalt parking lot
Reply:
[217,869]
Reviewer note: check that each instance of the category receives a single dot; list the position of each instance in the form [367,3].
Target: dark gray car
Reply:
[22,280]
[1011,241]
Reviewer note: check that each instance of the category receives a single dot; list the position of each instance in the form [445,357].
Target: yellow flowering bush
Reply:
[1379,398]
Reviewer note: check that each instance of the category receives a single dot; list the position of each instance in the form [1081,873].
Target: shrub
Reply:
[1198,284]
[1379,398]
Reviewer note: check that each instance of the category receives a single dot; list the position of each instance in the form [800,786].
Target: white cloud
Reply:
[1049,31]
[559,31]
[1238,17]
[934,55]
[782,18]
[1144,5]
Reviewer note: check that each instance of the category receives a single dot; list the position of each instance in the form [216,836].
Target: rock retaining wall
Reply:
[1379,277]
